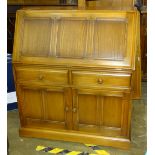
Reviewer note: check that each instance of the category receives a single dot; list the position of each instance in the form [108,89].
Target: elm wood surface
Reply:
[75,136]
[90,23]
[71,82]
[136,77]
[42,75]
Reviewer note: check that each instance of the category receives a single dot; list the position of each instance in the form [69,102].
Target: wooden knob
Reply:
[100,81]
[41,77]
[74,109]
[66,109]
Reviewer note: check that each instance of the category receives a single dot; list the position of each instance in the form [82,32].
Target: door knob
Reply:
[74,109]
[66,109]
[41,77]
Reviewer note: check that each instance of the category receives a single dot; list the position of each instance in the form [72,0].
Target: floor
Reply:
[27,146]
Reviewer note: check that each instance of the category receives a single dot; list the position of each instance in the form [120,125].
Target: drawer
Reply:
[42,75]
[100,79]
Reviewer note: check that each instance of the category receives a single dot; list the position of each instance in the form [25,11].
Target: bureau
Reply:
[76,72]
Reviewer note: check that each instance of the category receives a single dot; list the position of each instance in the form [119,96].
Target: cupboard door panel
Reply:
[30,104]
[111,111]
[55,106]
[87,109]
[58,107]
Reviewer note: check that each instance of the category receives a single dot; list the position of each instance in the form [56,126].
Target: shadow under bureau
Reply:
[75,73]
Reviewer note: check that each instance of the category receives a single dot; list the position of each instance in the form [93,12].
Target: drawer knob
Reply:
[100,81]
[74,110]
[41,77]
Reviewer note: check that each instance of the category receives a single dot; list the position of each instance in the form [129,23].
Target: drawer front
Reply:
[42,75]
[100,79]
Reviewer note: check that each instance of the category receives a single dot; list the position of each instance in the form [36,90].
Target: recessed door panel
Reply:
[32,103]
[58,107]
[87,109]
[55,106]
[71,41]
[36,37]
[111,111]
[110,39]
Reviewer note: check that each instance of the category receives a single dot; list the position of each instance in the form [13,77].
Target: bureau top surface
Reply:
[76,37]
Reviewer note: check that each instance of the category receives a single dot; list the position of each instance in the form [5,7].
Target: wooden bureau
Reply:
[75,72]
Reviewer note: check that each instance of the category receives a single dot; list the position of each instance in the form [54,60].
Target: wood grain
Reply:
[41,75]
[35,43]
[105,34]
[71,38]
[101,79]
[75,72]
[76,136]
[58,37]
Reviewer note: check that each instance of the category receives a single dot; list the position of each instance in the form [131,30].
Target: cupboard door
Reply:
[104,113]
[44,108]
